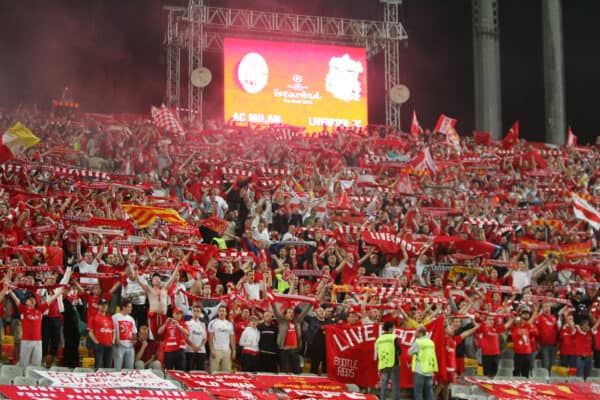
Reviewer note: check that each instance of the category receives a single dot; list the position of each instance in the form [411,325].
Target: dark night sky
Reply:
[110,53]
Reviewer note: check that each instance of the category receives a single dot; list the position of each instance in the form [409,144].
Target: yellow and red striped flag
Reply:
[145,216]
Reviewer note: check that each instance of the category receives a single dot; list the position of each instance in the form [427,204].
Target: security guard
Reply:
[424,365]
[388,354]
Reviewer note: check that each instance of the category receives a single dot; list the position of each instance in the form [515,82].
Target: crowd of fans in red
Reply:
[287,233]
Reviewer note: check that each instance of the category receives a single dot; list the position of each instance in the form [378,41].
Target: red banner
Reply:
[195,380]
[321,394]
[14,392]
[527,390]
[351,356]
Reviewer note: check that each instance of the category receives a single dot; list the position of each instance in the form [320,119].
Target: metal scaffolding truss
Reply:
[198,28]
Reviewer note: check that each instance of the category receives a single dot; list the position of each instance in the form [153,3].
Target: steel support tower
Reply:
[554,75]
[486,67]
[198,28]
[391,54]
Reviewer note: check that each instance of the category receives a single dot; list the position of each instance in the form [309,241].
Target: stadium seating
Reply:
[11,371]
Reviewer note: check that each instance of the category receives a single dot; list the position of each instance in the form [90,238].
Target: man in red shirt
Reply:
[31,314]
[489,342]
[102,333]
[175,332]
[567,342]
[547,326]
[584,337]
[521,332]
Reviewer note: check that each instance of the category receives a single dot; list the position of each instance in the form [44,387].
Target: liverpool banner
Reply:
[122,379]
[352,358]
[198,380]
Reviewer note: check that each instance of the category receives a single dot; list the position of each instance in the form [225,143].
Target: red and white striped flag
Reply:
[163,118]
[445,124]
[415,127]
[584,211]
[571,138]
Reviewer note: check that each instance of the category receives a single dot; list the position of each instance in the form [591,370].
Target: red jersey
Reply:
[239,327]
[103,328]
[451,343]
[174,339]
[567,341]
[547,327]
[488,340]
[522,338]
[32,321]
[583,343]
[92,305]
[291,338]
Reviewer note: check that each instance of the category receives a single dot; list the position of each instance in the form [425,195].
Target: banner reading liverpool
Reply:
[352,358]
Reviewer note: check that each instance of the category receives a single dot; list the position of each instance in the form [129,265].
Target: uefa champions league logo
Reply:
[342,79]
[253,73]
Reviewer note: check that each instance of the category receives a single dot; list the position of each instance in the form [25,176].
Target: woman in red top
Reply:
[31,314]
[102,333]
[175,332]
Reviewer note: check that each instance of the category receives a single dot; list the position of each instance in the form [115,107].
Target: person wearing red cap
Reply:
[175,332]
[102,334]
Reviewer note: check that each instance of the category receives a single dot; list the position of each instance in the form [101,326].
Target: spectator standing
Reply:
[249,341]
[547,326]
[221,341]
[102,334]
[125,332]
[175,332]
[195,350]
[31,342]
[522,340]
[268,343]
[289,337]
[584,338]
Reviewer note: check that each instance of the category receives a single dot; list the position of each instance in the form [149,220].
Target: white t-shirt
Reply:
[197,335]
[135,292]
[222,330]
[85,268]
[252,290]
[393,271]
[250,338]
[124,329]
[521,279]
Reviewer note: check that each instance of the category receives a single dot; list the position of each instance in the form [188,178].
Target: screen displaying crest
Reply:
[300,84]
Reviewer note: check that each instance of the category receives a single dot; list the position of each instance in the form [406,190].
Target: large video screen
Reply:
[299,84]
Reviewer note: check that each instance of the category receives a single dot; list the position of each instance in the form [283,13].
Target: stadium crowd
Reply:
[279,233]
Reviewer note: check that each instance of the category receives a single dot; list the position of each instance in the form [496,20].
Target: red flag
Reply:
[511,137]
[445,124]
[415,127]
[571,138]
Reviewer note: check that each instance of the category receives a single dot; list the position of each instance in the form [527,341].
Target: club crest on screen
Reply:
[253,73]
